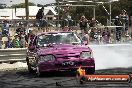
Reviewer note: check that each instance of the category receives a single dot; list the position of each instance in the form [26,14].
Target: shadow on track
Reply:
[47,74]
[26,74]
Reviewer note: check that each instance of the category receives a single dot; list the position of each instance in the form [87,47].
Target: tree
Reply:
[101,14]
[22,5]
[39,5]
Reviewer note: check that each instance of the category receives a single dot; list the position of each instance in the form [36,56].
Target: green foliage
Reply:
[101,14]
[22,5]
[39,5]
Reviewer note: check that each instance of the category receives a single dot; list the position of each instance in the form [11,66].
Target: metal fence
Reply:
[19,54]
[12,54]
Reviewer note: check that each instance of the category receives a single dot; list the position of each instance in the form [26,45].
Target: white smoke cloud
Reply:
[112,56]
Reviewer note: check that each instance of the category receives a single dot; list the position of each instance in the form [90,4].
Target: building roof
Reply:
[7,14]
[20,12]
[33,11]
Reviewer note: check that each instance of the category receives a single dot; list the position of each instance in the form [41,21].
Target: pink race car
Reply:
[59,51]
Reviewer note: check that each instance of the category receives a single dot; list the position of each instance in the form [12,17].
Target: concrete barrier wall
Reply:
[13,54]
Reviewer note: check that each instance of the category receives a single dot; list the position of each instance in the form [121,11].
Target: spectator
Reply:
[94,36]
[85,38]
[5,28]
[39,16]
[106,36]
[118,29]
[20,29]
[125,18]
[83,24]
[9,43]
[21,33]
[67,21]
[0,39]
[5,33]
[99,36]
[16,41]
[93,22]
[23,40]
[30,36]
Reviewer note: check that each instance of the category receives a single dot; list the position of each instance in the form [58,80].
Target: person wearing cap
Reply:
[21,31]
[125,19]
[83,24]
[94,35]
[16,41]
[5,33]
[118,29]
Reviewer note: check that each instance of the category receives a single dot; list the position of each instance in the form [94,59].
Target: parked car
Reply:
[58,51]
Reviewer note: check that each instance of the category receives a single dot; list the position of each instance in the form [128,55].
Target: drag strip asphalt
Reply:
[23,79]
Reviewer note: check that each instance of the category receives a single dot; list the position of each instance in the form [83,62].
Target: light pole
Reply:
[12,9]
[94,13]
[58,13]
[110,1]
[110,12]
[26,9]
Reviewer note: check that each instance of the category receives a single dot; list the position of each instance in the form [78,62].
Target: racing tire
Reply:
[90,70]
[30,69]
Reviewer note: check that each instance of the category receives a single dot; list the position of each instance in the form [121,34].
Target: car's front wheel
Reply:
[90,70]
[29,66]
[30,69]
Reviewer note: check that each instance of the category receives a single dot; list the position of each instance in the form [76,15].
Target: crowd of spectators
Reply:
[105,35]
[20,38]
[89,32]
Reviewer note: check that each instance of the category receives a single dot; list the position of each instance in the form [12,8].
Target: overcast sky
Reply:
[43,2]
